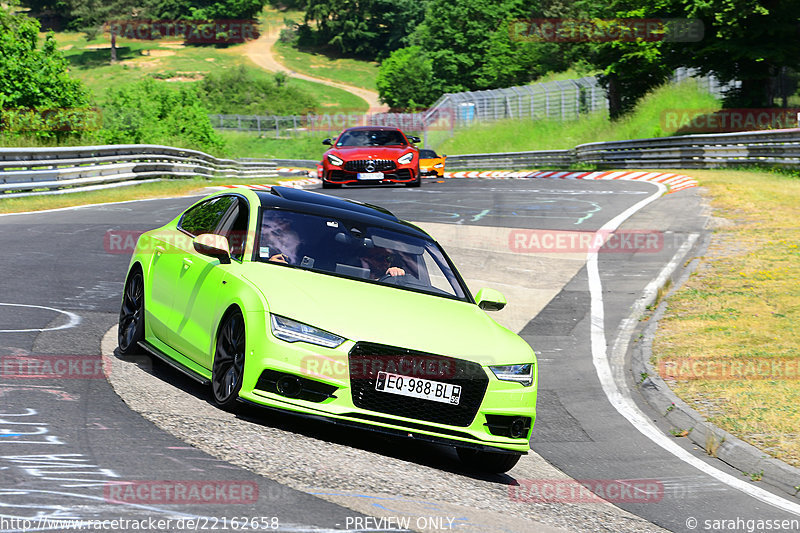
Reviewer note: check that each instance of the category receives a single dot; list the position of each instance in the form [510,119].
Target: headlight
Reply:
[520,373]
[333,160]
[406,158]
[438,165]
[290,330]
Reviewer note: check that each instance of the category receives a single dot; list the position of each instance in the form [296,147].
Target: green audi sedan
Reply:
[335,310]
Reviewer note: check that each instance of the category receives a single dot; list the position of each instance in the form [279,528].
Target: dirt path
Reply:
[260,52]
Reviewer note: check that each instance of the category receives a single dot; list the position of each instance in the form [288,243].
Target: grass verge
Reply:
[160,189]
[524,134]
[320,65]
[730,334]
[246,144]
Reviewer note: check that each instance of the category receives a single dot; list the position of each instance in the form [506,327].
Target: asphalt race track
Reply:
[67,445]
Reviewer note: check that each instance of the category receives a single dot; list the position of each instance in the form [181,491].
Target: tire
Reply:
[417,183]
[131,314]
[326,185]
[227,371]
[489,462]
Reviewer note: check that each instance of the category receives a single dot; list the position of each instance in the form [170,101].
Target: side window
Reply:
[437,279]
[204,217]
[234,228]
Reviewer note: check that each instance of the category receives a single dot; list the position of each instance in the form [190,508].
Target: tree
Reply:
[509,61]
[405,80]
[224,9]
[750,41]
[367,28]
[630,67]
[31,77]
[92,15]
[458,36]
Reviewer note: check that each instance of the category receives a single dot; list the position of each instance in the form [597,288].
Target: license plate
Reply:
[370,175]
[425,389]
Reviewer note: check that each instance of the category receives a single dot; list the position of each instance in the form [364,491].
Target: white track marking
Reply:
[618,394]
[73,321]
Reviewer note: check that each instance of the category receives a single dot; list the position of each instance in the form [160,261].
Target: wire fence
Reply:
[560,100]
[710,83]
[556,100]
[290,126]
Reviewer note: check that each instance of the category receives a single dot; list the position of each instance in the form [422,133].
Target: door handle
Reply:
[159,249]
[187,262]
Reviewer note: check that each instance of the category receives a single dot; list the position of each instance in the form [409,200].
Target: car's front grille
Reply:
[367,359]
[369,165]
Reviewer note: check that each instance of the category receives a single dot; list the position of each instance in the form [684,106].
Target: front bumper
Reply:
[337,398]
[432,172]
[339,176]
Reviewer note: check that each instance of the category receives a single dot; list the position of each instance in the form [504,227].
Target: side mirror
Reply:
[327,142]
[444,156]
[414,139]
[213,246]
[490,300]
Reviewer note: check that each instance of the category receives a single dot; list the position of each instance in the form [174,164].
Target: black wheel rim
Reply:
[132,313]
[229,360]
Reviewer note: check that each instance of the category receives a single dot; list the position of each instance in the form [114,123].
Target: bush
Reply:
[150,112]
[245,92]
[37,95]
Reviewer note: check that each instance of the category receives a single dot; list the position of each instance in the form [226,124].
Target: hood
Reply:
[370,152]
[362,311]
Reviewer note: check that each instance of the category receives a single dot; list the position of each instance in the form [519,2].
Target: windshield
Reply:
[427,154]
[371,138]
[349,249]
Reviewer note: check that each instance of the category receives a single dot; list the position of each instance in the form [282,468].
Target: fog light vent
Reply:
[516,427]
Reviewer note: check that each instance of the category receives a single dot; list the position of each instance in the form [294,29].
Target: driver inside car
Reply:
[381,263]
[279,242]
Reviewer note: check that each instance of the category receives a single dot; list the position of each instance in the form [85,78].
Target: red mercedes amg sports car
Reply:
[371,155]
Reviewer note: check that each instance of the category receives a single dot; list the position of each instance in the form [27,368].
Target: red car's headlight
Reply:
[333,160]
[406,158]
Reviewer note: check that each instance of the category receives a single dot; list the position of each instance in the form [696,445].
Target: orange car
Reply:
[431,164]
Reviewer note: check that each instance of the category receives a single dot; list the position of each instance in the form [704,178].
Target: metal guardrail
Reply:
[298,163]
[29,169]
[511,160]
[50,169]
[767,148]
